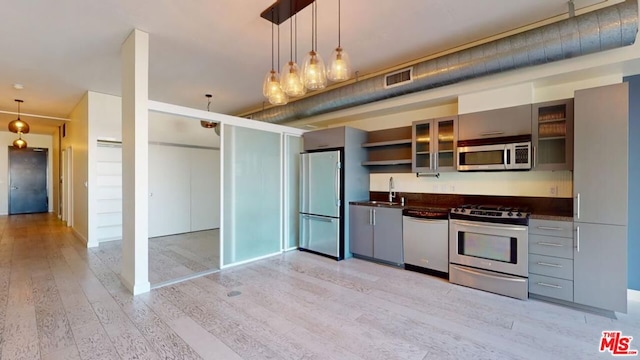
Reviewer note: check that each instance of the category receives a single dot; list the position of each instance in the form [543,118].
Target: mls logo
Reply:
[617,344]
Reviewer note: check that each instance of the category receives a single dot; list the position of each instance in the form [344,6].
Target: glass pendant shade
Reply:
[271,84]
[314,74]
[19,143]
[291,80]
[278,97]
[340,66]
[19,126]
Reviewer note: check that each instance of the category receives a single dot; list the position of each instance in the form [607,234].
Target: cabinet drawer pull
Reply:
[549,264]
[550,228]
[550,244]
[549,285]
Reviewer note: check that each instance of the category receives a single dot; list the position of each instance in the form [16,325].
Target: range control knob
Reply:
[462,210]
[455,210]
[519,214]
[510,213]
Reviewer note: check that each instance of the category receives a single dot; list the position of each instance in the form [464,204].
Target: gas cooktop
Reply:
[490,211]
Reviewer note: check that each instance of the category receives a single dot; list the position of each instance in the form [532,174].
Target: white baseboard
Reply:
[82,238]
[633,295]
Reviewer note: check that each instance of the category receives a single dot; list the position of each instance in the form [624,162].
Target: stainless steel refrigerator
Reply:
[330,179]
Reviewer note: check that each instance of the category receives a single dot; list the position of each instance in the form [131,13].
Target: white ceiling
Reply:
[60,49]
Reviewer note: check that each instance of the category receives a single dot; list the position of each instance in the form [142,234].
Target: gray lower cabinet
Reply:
[600,266]
[361,230]
[376,232]
[551,259]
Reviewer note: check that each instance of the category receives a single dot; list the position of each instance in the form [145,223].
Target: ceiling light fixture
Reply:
[19,143]
[271,88]
[313,70]
[340,66]
[204,123]
[291,80]
[17,125]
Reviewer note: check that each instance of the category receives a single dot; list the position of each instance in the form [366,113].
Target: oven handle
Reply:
[423,220]
[487,275]
[501,227]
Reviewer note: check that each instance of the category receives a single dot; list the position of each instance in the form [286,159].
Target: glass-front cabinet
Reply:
[552,136]
[433,145]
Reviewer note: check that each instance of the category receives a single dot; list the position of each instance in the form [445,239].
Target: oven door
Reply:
[485,157]
[495,247]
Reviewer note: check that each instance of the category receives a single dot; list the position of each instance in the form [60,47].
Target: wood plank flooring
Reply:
[171,257]
[59,300]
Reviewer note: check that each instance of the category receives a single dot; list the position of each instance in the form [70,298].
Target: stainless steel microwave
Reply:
[496,156]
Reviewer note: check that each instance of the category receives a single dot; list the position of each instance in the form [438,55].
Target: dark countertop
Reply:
[551,217]
[441,207]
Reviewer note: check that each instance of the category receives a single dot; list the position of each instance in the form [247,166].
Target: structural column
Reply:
[135,155]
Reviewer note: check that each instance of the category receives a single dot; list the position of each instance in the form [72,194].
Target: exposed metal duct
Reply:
[608,28]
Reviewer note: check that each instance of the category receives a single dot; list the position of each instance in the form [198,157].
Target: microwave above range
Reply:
[497,154]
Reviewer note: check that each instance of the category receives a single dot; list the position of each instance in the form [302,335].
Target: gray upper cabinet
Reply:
[601,155]
[600,266]
[552,135]
[433,145]
[324,139]
[511,121]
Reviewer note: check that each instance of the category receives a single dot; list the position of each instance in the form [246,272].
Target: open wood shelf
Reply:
[387,162]
[387,143]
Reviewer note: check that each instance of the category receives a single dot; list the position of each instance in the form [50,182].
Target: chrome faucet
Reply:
[392,194]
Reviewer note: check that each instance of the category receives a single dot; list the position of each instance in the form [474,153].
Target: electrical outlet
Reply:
[553,190]
[452,189]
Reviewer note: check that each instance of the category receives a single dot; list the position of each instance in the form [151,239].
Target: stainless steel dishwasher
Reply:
[425,237]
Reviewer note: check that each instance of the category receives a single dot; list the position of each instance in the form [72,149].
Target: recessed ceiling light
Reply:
[18,86]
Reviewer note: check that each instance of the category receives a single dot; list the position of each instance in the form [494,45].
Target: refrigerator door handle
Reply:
[336,183]
[304,190]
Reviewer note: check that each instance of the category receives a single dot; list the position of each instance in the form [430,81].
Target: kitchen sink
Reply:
[383,203]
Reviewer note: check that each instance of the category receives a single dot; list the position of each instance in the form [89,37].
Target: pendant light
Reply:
[313,70]
[340,66]
[291,80]
[278,96]
[19,143]
[271,86]
[204,123]
[18,126]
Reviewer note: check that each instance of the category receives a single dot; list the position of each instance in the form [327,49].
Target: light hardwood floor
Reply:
[171,257]
[59,300]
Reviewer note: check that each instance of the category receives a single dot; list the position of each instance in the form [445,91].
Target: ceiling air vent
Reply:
[398,78]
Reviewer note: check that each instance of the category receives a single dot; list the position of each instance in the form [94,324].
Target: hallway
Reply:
[59,300]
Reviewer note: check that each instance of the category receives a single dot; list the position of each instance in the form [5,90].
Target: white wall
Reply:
[77,138]
[33,140]
[104,114]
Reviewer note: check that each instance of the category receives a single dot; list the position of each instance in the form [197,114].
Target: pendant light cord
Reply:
[296,42]
[278,47]
[271,39]
[338,23]
[315,24]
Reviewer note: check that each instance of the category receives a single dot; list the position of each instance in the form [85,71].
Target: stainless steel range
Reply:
[488,249]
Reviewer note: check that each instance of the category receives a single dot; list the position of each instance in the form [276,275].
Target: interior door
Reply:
[28,181]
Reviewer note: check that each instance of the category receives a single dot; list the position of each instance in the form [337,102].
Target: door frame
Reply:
[66,189]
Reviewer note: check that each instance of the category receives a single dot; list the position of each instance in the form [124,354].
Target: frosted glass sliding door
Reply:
[252,194]
[292,149]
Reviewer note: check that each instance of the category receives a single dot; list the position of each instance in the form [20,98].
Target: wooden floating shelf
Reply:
[387,162]
[551,120]
[387,143]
